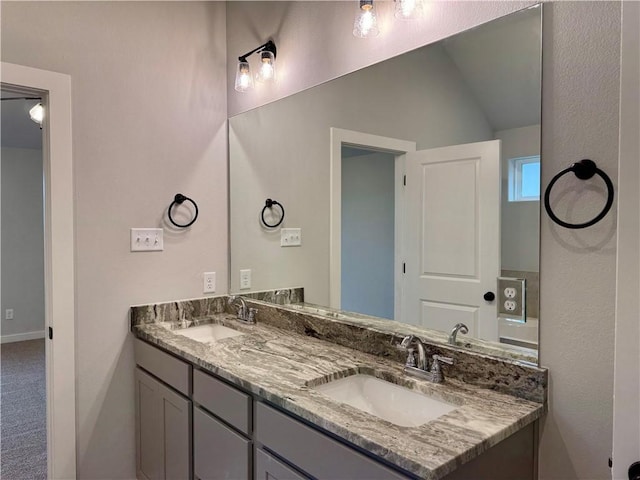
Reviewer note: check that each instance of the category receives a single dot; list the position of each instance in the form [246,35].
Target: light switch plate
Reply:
[147,239]
[512,298]
[290,237]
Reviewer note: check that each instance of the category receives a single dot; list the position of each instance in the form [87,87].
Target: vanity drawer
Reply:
[268,468]
[167,368]
[218,451]
[224,401]
[313,452]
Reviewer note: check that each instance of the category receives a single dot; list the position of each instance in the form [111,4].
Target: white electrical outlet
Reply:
[8,314]
[147,239]
[209,282]
[510,292]
[245,279]
[290,237]
[510,305]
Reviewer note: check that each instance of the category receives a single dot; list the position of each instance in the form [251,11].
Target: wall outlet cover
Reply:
[512,298]
[209,282]
[245,279]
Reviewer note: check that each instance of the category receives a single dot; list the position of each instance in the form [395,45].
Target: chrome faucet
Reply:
[421,370]
[460,327]
[422,353]
[244,313]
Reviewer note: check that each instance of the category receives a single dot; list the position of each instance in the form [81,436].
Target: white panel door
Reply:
[452,237]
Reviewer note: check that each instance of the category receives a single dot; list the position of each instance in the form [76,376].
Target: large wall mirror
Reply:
[415,184]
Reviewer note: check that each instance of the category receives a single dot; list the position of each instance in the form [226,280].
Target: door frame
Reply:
[338,138]
[59,271]
[626,385]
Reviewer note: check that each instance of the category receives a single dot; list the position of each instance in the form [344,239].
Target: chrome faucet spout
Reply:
[422,353]
[459,327]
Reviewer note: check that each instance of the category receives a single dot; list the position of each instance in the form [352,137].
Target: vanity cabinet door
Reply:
[219,453]
[268,468]
[163,431]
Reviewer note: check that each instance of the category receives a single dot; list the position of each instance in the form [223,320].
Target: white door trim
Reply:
[59,261]
[340,137]
[626,389]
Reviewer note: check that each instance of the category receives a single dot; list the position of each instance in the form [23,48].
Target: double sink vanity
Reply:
[303,395]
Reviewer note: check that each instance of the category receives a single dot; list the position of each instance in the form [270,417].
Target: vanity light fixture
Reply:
[267,71]
[408,9]
[366,23]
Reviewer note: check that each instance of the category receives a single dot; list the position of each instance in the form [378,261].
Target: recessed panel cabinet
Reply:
[219,452]
[163,431]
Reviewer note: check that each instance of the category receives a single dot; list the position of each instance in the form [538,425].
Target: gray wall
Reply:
[22,242]
[149,110]
[368,234]
[520,238]
[580,119]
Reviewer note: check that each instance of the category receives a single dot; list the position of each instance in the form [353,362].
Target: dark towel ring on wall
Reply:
[269,204]
[584,170]
[179,199]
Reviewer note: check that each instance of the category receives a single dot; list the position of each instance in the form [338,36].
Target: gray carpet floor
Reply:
[23,434]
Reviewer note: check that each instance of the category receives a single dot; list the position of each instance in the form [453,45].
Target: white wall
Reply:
[580,105]
[580,118]
[368,231]
[22,243]
[520,241]
[149,110]
[434,108]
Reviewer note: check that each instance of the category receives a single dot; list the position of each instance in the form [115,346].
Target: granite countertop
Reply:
[282,367]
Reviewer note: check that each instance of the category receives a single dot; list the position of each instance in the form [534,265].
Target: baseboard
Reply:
[21,337]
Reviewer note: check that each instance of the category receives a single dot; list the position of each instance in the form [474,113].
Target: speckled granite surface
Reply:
[282,367]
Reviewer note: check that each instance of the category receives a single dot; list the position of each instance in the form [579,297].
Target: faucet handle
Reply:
[406,341]
[411,358]
[252,314]
[440,358]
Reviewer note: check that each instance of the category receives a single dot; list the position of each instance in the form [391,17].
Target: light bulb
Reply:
[243,77]
[37,113]
[366,23]
[408,9]
[267,72]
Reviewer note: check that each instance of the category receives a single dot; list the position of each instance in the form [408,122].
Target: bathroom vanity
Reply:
[217,398]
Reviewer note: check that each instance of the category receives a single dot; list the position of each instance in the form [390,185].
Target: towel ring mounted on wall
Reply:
[269,204]
[584,170]
[179,199]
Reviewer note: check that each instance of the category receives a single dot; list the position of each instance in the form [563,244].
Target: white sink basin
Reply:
[209,333]
[385,400]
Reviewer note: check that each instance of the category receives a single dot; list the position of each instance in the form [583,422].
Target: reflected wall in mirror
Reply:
[415,183]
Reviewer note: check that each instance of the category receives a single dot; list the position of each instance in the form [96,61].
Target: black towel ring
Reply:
[269,204]
[178,200]
[584,170]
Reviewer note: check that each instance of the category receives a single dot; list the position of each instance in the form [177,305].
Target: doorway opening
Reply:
[356,274]
[23,422]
